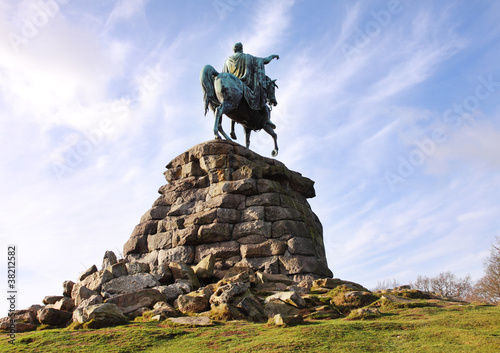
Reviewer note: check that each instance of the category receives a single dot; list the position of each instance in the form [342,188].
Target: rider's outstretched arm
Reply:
[269,58]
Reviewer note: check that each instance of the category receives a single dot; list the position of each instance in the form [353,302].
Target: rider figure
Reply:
[251,71]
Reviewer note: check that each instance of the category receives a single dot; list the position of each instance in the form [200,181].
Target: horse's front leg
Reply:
[233,134]
[247,136]
[270,131]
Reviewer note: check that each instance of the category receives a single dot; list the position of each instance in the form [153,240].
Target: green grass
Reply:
[452,328]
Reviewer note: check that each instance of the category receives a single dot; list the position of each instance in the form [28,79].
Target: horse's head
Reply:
[271,88]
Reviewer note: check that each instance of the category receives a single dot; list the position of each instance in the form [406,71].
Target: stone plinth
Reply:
[226,200]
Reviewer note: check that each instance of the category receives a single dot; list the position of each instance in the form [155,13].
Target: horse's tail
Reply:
[207,75]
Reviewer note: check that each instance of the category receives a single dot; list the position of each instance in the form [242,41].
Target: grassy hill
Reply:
[441,326]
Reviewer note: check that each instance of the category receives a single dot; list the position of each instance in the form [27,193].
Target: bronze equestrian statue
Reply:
[243,93]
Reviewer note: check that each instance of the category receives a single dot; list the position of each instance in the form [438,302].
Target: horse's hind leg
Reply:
[270,131]
[218,122]
[233,134]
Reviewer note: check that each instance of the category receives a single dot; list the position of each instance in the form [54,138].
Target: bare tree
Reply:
[386,284]
[446,283]
[487,289]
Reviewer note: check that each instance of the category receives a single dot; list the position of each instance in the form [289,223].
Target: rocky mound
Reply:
[245,209]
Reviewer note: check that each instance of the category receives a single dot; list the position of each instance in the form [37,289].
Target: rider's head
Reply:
[238,48]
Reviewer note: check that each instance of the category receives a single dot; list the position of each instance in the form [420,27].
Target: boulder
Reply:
[128,284]
[270,247]
[194,302]
[92,300]
[67,288]
[87,273]
[292,298]
[364,313]
[191,321]
[165,310]
[204,270]
[80,293]
[53,317]
[51,299]
[102,315]
[65,304]
[181,271]
[225,312]
[96,280]
[162,273]
[134,268]
[131,301]
[263,277]
[171,292]
[280,320]
[118,269]
[275,307]
[108,260]
[252,308]
[20,327]
[225,293]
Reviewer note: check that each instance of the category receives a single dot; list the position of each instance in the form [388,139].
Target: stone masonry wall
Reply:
[226,200]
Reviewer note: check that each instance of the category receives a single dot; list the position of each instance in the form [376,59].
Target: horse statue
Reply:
[224,93]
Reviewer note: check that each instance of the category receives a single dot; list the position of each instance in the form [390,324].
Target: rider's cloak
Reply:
[250,70]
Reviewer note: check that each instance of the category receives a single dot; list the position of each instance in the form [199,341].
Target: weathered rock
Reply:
[301,246]
[364,313]
[359,298]
[191,321]
[131,301]
[226,293]
[51,299]
[96,280]
[270,247]
[53,317]
[128,284]
[134,268]
[204,270]
[162,273]
[118,269]
[280,320]
[227,201]
[81,293]
[182,271]
[28,316]
[264,277]
[108,260]
[184,254]
[291,265]
[225,312]
[19,327]
[185,286]
[275,307]
[331,283]
[65,304]
[102,315]
[252,308]
[137,313]
[194,302]
[171,292]
[292,298]
[87,272]
[92,300]
[165,310]
[67,288]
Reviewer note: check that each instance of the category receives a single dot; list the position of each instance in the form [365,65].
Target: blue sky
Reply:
[391,107]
